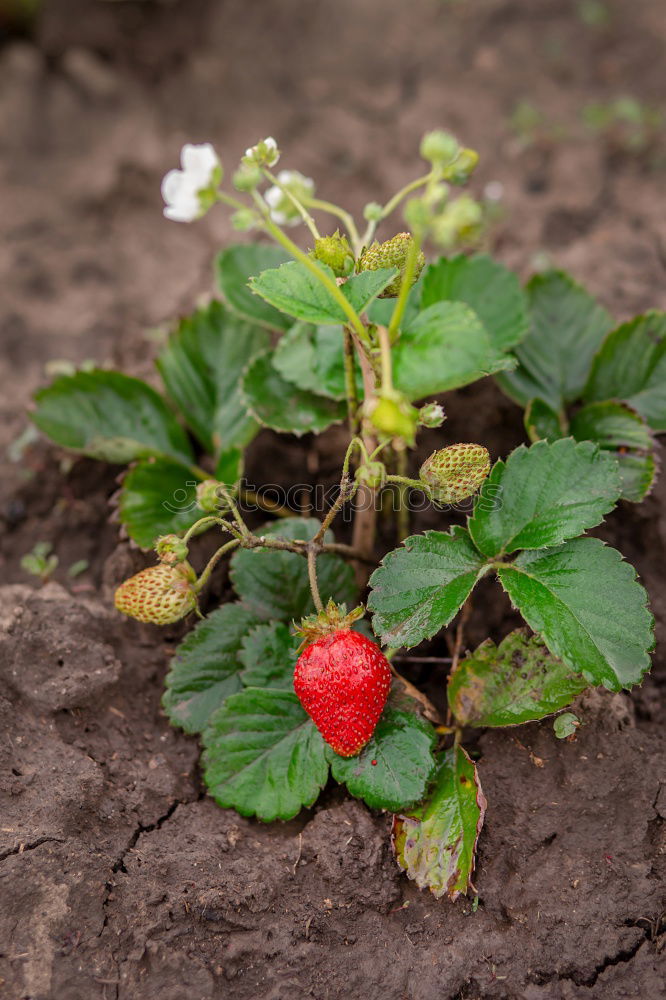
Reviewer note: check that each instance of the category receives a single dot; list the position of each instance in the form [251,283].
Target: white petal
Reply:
[273,196]
[183,211]
[279,218]
[199,162]
[171,185]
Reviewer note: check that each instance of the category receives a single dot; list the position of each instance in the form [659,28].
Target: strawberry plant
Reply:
[290,682]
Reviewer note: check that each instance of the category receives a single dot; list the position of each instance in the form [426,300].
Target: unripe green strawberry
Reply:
[432,415]
[372,474]
[171,549]
[208,496]
[342,680]
[456,472]
[393,253]
[393,416]
[336,253]
[159,595]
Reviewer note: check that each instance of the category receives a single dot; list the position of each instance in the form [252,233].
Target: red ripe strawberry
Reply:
[342,681]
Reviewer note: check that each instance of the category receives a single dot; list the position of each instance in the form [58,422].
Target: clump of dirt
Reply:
[119,878]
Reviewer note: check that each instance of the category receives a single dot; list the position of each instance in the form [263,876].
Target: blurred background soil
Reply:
[118,878]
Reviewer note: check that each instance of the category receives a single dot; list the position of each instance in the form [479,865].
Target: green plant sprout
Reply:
[292,681]
[41,562]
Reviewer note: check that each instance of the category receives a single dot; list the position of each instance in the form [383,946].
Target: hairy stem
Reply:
[405,287]
[298,205]
[312,576]
[365,519]
[350,382]
[402,518]
[212,563]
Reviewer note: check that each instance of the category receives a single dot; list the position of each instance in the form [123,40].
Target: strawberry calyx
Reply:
[333,618]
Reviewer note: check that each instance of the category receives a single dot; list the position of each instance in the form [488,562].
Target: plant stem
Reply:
[195,528]
[415,483]
[312,575]
[300,208]
[456,649]
[365,519]
[391,205]
[350,382]
[347,490]
[405,288]
[339,213]
[402,518]
[328,283]
[385,355]
[212,563]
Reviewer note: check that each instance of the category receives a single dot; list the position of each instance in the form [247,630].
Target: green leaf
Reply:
[109,416]
[445,347]
[419,587]
[545,493]
[393,769]
[515,682]
[542,423]
[158,496]
[234,267]
[276,403]
[565,725]
[567,327]
[268,655]
[274,583]
[264,756]
[435,844]
[622,431]
[311,357]
[206,667]
[588,607]
[487,287]
[201,368]
[295,290]
[631,365]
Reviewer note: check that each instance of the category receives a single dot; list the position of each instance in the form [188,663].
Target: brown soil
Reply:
[118,877]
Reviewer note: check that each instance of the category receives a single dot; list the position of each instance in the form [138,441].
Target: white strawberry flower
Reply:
[283,210]
[188,192]
[264,154]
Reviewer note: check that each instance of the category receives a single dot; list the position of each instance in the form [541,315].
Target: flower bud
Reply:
[336,253]
[392,253]
[248,177]
[208,497]
[244,219]
[171,549]
[432,415]
[455,473]
[462,167]
[159,595]
[264,154]
[372,474]
[460,222]
[373,212]
[393,416]
[439,147]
